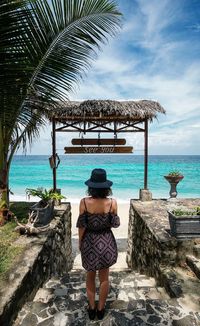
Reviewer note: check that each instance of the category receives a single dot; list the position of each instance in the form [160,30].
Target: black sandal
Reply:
[100,314]
[91,313]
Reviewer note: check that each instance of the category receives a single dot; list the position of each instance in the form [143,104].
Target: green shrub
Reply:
[186,212]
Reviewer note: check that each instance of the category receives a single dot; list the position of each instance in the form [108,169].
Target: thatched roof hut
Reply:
[105,116]
[108,110]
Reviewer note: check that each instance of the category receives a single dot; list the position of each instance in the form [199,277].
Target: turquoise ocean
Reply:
[126,172]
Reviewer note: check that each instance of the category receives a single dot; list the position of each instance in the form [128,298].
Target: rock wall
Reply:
[47,254]
[144,252]
[150,246]
[153,251]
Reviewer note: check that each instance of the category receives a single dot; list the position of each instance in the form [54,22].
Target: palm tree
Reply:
[46,45]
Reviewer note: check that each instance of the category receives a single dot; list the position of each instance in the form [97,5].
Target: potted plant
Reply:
[173,177]
[184,222]
[43,210]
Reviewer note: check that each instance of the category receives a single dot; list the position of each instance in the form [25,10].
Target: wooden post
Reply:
[54,152]
[146,154]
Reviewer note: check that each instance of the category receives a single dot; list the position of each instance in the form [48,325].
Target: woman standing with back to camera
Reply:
[98,214]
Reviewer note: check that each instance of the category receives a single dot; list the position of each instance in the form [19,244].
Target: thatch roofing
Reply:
[108,110]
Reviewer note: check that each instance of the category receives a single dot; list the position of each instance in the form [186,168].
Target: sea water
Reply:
[126,172]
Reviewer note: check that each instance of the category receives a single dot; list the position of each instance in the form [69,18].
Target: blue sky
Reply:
[155,56]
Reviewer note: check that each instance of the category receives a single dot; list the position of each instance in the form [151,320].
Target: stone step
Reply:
[134,299]
[194,264]
[181,283]
[118,312]
[116,293]
[123,277]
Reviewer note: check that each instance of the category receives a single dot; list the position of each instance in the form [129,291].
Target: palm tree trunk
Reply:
[4,170]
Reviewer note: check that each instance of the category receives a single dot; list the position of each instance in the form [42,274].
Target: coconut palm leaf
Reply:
[68,33]
[45,48]
[48,46]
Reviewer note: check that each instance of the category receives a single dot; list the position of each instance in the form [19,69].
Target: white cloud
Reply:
[146,60]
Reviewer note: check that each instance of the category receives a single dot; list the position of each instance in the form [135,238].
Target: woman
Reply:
[98,214]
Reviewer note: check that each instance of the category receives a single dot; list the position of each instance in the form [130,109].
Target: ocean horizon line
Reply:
[105,154]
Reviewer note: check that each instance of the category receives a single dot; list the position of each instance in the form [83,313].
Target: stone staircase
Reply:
[134,299]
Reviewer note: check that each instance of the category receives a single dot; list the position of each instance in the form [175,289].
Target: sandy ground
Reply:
[120,233]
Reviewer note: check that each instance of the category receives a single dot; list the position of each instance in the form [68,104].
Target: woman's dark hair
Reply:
[99,192]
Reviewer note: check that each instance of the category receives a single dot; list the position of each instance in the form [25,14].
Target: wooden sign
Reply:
[100,142]
[97,149]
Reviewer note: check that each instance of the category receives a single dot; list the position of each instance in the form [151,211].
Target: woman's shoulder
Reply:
[84,199]
[114,201]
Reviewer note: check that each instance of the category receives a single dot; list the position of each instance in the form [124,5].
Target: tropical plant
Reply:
[44,194]
[186,212]
[174,173]
[46,45]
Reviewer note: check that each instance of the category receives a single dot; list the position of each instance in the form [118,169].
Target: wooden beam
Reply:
[113,118]
[97,149]
[101,141]
[98,130]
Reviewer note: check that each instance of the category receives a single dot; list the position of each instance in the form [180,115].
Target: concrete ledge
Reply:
[46,254]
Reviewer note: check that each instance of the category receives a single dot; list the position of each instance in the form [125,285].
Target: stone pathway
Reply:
[134,299]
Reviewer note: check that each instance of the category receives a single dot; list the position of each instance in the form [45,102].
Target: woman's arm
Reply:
[81,230]
[114,206]
[115,220]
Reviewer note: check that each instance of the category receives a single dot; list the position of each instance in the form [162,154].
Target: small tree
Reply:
[45,47]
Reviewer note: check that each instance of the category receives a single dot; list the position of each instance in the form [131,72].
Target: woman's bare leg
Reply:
[91,288]
[104,287]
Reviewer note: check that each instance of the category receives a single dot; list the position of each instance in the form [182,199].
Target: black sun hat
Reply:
[98,179]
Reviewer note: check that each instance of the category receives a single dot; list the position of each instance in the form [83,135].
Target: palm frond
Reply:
[46,46]
[72,30]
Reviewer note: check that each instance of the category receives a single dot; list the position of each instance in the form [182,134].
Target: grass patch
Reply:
[9,251]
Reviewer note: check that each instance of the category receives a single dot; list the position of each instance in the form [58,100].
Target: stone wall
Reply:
[144,252]
[44,255]
[151,248]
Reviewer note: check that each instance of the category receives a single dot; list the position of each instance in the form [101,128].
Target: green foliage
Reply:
[3,204]
[174,173]
[45,48]
[186,212]
[44,194]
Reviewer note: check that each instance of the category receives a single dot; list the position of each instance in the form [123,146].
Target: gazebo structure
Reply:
[104,116]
